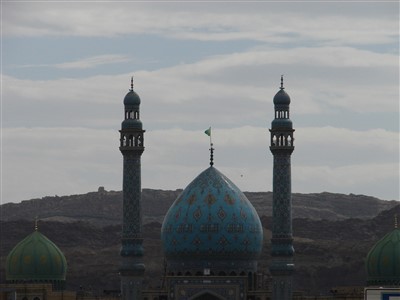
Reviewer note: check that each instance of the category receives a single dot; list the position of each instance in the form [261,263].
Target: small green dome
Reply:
[132,99]
[383,261]
[36,259]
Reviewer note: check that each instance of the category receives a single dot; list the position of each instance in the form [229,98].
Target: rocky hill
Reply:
[105,207]
[332,233]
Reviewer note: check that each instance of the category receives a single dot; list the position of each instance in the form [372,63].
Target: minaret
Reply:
[282,250]
[132,146]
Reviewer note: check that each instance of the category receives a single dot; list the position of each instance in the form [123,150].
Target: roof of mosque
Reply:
[211,220]
[36,258]
[383,260]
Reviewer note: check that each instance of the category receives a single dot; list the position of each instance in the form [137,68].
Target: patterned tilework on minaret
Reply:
[282,250]
[131,146]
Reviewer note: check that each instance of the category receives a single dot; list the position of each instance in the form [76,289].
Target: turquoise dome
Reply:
[211,225]
[132,99]
[36,259]
[383,261]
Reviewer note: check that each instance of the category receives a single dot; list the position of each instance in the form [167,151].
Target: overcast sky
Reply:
[66,67]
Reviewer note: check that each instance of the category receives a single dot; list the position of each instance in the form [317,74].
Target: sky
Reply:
[66,67]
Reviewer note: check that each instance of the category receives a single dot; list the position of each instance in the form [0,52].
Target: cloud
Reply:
[265,22]
[225,90]
[77,160]
[86,63]
[340,62]
[94,61]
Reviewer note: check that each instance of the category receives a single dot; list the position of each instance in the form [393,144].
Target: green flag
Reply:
[208,131]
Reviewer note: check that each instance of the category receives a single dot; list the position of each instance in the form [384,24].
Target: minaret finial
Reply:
[211,155]
[131,84]
[282,82]
[395,221]
[36,223]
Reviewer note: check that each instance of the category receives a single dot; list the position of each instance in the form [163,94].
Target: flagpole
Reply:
[208,132]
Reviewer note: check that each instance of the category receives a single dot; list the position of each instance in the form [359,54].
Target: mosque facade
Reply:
[212,236]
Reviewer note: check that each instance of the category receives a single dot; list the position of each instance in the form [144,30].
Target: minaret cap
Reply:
[281,97]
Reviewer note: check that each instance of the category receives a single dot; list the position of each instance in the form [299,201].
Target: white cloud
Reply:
[61,135]
[60,161]
[267,22]
[92,62]
[86,63]
[222,89]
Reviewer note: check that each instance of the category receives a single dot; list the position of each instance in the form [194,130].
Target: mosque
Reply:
[212,236]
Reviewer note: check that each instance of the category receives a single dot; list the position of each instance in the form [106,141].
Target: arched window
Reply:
[123,141]
[280,141]
[130,141]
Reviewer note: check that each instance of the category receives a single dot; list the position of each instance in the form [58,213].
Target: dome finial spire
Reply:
[211,155]
[282,82]
[131,84]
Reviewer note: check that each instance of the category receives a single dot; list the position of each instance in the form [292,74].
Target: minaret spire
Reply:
[282,251]
[131,146]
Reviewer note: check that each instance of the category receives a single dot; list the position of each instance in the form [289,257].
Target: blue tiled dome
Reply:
[211,226]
